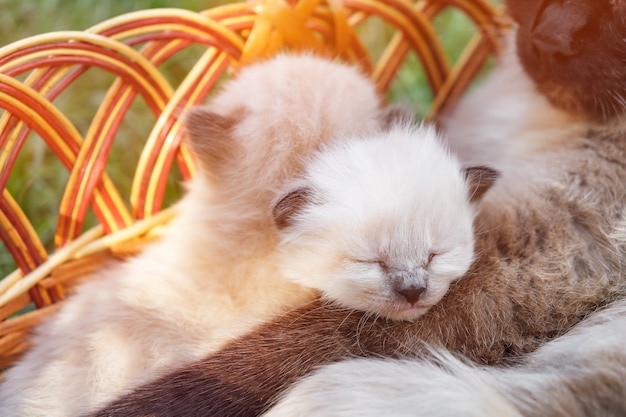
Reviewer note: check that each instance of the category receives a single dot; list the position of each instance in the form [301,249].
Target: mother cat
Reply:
[552,232]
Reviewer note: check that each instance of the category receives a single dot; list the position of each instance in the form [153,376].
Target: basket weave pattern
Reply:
[133,47]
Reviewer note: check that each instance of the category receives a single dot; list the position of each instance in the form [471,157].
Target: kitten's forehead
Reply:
[405,161]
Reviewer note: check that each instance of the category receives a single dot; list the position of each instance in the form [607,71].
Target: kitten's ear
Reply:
[397,114]
[287,206]
[480,179]
[209,137]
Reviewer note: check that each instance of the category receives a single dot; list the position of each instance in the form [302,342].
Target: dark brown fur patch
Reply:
[480,180]
[288,206]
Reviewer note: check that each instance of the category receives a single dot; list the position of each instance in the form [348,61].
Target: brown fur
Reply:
[546,259]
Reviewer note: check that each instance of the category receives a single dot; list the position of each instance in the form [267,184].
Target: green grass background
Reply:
[38,179]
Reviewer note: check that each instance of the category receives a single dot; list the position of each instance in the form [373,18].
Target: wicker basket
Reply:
[35,72]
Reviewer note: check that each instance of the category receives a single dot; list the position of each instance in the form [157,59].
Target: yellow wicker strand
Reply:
[105,43]
[24,322]
[201,20]
[10,341]
[344,34]
[10,279]
[472,58]
[138,228]
[45,296]
[185,155]
[238,17]
[30,81]
[160,81]
[4,119]
[427,48]
[15,305]
[277,25]
[60,256]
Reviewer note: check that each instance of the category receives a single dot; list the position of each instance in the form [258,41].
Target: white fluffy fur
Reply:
[198,286]
[577,375]
[379,208]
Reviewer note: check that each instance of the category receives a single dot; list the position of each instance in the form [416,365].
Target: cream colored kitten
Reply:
[211,276]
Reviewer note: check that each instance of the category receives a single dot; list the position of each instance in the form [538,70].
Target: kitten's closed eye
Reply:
[372,262]
[386,267]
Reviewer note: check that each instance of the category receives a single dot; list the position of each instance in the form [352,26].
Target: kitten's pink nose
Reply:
[412,294]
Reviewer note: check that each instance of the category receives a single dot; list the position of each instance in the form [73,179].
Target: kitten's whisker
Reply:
[365,319]
[619,98]
[359,327]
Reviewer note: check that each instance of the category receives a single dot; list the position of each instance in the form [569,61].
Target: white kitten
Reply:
[382,224]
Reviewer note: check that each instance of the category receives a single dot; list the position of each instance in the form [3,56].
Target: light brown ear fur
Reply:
[209,135]
[289,205]
[480,180]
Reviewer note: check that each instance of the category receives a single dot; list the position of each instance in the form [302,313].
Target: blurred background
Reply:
[38,179]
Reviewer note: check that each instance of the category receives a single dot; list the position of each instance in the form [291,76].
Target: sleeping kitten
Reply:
[213,275]
[551,245]
[382,224]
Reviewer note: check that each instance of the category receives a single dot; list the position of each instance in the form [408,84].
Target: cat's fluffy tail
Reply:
[582,373]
